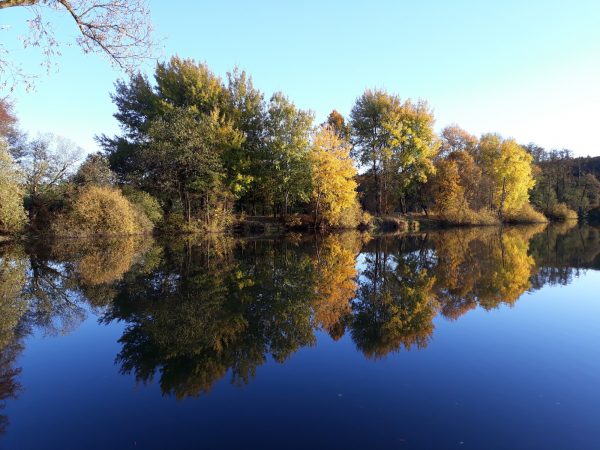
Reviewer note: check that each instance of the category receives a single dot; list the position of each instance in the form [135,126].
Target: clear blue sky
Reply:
[525,69]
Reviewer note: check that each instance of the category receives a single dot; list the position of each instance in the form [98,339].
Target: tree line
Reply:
[199,153]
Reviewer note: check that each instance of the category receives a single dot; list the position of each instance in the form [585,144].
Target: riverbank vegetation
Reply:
[198,153]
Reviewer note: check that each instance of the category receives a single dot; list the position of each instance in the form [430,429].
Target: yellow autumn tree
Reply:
[12,213]
[334,188]
[508,168]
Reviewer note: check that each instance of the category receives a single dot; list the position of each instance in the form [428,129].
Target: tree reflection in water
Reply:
[13,275]
[198,309]
[49,288]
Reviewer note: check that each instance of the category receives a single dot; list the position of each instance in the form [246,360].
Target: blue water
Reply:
[524,375]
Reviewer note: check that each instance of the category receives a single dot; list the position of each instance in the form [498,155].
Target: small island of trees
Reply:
[201,154]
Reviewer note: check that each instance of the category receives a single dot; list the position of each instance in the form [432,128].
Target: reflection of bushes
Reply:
[102,261]
[13,308]
[94,266]
[13,271]
[199,308]
[9,386]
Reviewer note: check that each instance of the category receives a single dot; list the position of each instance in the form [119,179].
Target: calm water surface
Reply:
[465,339]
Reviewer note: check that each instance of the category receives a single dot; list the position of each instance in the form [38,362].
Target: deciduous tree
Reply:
[396,142]
[508,169]
[288,169]
[12,213]
[333,172]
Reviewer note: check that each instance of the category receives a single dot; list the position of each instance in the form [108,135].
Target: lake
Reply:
[474,338]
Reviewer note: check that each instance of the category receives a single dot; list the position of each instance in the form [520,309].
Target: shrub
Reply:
[103,211]
[351,217]
[561,211]
[391,223]
[527,214]
[467,216]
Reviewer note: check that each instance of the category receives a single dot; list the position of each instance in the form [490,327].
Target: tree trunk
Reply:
[502,199]
[317,209]
[207,211]
[188,208]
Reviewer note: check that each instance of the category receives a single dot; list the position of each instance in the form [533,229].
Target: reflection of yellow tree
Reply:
[482,266]
[94,266]
[458,269]
[335,282]
[396,319]
[510,267]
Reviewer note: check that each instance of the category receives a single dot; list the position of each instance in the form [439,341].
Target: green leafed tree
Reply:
[247,111]
[184,160]
[395,141]
[287,178]
[95,170]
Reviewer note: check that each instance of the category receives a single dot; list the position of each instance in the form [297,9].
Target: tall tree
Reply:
[95,170]
[371,138]
[395,141]
[12,214]
[454,139]
[338,124]
[508,169]
[333,172]
[47,161]
[288,170]
[247,111]
[8,121]
[180,140]
[185,82]
[184,159]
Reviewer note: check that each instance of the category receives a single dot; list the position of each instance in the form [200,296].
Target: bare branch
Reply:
[118,29]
